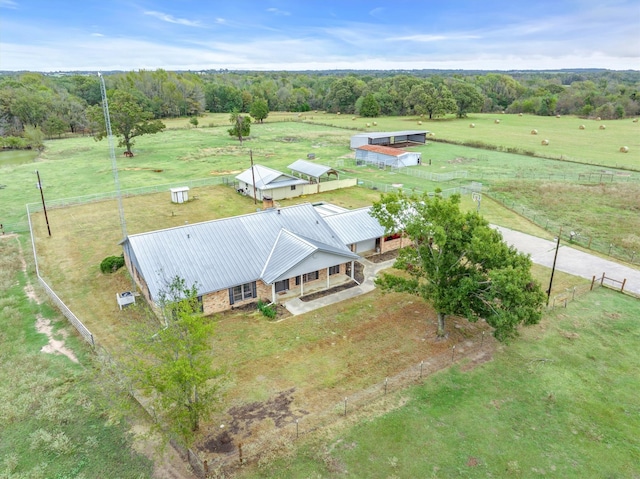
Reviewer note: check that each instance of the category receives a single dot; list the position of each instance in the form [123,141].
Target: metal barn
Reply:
[390,138]
[386,156]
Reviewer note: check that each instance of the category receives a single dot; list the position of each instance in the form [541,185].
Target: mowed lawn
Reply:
[561,401]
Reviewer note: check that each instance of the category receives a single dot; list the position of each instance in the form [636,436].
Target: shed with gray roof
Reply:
[312,171]
[270,183]
[390,138]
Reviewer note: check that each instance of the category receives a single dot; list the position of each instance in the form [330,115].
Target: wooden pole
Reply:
[44,206]
[553,268]
[624,281]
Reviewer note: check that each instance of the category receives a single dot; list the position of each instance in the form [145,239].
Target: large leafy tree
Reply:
[128,119]
[467,96]
[172,361]
[369,107]
[241,126]
[259,109]
[459,264]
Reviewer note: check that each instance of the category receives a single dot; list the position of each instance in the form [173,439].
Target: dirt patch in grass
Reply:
[55,346]
[243,419]
[382,257]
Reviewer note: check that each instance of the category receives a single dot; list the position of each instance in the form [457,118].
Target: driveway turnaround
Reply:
[570,260]
[542,251]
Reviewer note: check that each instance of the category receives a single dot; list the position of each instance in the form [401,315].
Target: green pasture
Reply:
[55,417]
[566,140]
[561,401]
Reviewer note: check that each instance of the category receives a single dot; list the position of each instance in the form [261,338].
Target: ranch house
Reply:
[274,255]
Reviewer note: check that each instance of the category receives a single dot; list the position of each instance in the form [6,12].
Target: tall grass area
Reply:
[55,419]
[561,401]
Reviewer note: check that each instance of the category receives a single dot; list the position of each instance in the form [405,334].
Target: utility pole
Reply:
[44,206]
[553,268]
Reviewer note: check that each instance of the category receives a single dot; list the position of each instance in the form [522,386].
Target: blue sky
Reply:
[56,35]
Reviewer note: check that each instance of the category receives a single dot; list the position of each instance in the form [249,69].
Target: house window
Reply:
[308,277]
[242,292]
[334,270]
[200,304]
[311,276]
[293,187]
[282,285]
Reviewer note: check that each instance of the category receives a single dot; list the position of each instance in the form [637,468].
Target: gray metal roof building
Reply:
[216,255]
[355,226]
[389,138]
[311,170]
[268,178]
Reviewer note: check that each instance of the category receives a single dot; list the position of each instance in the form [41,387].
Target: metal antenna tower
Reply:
[112,154]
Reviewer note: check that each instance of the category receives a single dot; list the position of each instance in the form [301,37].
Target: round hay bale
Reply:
[602,127]
[598,118]
[519,114]
[419,123]
[431,134]
[581,127]
[496,121]
[472,125]
[635,120]
[368,125]
[534,132]
[338,113]
[557,116]
[624,149]
[375,123]
[544,142]
[503,112]
[353,118]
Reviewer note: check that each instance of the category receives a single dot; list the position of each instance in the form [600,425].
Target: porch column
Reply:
[328,283]
[273,292]
[352,268]
[301,285]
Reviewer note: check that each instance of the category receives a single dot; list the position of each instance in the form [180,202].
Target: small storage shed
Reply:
[180,195]
[312,171]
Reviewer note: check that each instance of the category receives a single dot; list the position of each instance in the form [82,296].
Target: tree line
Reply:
[34,106]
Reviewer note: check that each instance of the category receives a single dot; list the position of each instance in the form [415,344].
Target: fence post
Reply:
[593,280]
[602,280]
[623,283]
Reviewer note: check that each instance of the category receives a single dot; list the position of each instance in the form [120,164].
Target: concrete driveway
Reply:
[570,260]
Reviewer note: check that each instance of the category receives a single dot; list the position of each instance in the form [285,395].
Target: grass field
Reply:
[559,402]
[349,347]
[55,418]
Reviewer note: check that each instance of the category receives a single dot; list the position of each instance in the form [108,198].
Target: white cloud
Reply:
[8,4]
[165,17]
[277,11]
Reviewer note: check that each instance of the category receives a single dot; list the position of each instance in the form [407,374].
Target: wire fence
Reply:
[378,396]
[227,180]
[573,234]
[64,309]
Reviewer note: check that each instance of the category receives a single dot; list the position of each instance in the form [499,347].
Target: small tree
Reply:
[173,364]
[459,264]
[259,109]
[194,121]
[241,126]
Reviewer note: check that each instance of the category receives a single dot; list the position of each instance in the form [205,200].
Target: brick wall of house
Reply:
[219,300]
